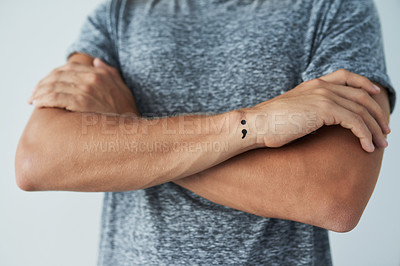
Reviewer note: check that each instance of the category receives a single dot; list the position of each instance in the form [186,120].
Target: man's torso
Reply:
[207,57]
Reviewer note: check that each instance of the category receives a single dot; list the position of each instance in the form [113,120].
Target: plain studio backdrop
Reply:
[62,228]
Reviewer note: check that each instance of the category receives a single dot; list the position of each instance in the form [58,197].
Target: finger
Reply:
[57,100]
[364,99]
[61,76]
[352,121]
[347,78]
[40,89]
[67,80]
[55,87]
[377,135]
[70,66]
[66,72]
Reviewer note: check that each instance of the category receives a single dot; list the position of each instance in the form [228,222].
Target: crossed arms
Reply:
[324,179]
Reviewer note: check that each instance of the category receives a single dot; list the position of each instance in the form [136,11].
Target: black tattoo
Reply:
[244,132]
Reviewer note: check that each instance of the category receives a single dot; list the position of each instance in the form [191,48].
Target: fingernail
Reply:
[388,129]
[34,102]
[377,88]
[371,147]
[383,143]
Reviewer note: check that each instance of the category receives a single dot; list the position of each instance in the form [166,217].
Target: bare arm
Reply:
[267,182]
[324,179]
[61,150]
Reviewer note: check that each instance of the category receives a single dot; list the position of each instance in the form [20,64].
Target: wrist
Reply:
[243,128]
[256,125]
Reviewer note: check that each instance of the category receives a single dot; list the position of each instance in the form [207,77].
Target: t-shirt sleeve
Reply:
[349,36]
[98,37]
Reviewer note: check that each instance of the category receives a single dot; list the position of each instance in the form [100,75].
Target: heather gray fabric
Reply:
[213,56]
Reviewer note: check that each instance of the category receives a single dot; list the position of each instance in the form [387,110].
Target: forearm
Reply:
[324,179]
[62,150]
[314,190]
[317,180]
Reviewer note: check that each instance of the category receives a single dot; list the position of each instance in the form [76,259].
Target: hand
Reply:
[340,98]
[83,88]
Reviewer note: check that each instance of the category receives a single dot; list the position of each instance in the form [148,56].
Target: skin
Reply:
[273,172]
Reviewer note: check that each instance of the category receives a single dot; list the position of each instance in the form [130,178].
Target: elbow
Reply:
[346,205]
[27,166]
[38,157]
[23,170]
[342,219]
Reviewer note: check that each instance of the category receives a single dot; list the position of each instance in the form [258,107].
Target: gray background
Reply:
[62,228]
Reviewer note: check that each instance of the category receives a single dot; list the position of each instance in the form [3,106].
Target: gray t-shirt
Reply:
[212,56]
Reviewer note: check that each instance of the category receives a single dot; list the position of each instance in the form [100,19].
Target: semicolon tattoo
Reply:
[244,131]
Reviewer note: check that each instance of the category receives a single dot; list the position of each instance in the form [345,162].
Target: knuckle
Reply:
[325,103]
[362,110]
[94,78]
[342,71]
[322,92]
[358,119]
[87,88]
[308,82]
[70,66]
[319,83]
[58,69]
[57,73]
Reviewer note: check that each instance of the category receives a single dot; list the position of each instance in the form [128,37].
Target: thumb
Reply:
[97,62]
